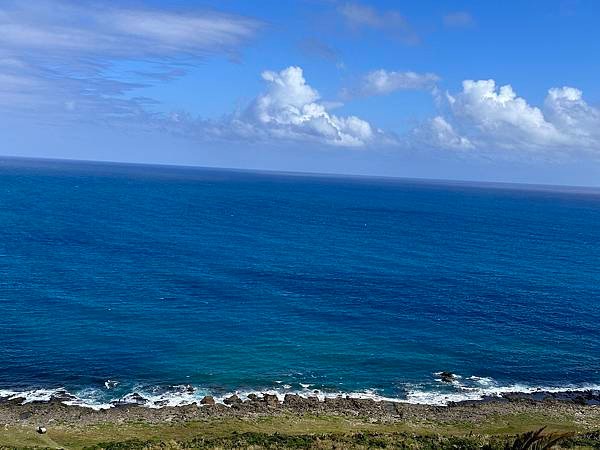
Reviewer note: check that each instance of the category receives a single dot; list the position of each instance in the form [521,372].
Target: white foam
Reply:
[111,384]
[472,388]
[487,388]
[33,395]
[366,394]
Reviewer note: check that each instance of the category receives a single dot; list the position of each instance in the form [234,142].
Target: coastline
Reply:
[185,395]
[576,412]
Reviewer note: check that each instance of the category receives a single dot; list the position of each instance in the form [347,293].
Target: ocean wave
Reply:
[474,388]
[471,388]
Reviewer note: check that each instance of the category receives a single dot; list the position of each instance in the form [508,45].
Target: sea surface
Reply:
[180,282]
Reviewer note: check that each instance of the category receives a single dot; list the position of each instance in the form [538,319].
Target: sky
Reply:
[473,90]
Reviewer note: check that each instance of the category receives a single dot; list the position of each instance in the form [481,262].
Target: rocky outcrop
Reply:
[447,377]
[271,400]
[208,400]
[233,400]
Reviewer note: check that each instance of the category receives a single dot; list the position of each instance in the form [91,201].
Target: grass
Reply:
[293,431]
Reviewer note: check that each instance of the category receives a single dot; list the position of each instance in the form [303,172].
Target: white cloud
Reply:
[381,82]
[486,118]
[569,113]
[57,53]
[497,114]
[290,108]
[438,133]
[71,29]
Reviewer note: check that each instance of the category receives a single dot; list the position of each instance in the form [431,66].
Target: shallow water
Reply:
[157,277]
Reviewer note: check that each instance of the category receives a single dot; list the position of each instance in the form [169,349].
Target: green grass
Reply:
[291,431]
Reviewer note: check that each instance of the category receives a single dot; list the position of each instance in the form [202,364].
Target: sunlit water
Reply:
[177,282]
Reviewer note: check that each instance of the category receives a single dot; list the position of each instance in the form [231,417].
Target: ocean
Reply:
[179,282]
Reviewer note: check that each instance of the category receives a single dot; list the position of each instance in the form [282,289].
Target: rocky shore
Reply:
[266,421]
[583,404]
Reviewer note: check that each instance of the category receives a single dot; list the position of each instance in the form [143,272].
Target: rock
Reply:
[41,430]
[130,399]
[293,400]
[271,400]
[447,377]
[62,396]
[111,384]
[207,400]
[187,388]
[233,400]
[137,398]
[253,397]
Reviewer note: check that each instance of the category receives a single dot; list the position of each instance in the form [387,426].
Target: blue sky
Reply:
[502,91]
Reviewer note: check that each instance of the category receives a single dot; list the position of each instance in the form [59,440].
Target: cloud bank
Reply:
[59,59]
[288,109]
[487,118]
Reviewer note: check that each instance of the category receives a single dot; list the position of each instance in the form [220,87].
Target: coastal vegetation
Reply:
[346,424]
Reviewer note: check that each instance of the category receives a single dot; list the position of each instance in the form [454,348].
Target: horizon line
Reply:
[489,183]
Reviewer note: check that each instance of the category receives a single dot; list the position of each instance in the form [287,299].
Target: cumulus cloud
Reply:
[381,82]
[438,133]
[497,114]
[568,111]
[490,118]
[359,16]
[291,109]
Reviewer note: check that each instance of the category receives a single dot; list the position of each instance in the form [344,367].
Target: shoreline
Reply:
[265,418]
[186,395]
[60,407]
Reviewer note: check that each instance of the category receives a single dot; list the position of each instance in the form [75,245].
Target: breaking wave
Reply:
[440,393]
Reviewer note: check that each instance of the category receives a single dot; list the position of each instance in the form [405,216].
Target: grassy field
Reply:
[294,431]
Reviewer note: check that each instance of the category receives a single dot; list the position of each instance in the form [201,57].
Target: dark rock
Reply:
[253,397]
[364,403]
[25,415]
[447,377]
[207,400]
[13,400]
[271,400]
[137,398]
[129,399]
[62,396]
[335,402]
[293,400]
[184,388]
[233,400]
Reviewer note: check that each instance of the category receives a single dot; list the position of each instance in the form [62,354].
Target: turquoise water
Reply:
[177,282]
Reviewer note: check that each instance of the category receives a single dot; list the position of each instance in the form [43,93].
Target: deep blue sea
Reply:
[178,282]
